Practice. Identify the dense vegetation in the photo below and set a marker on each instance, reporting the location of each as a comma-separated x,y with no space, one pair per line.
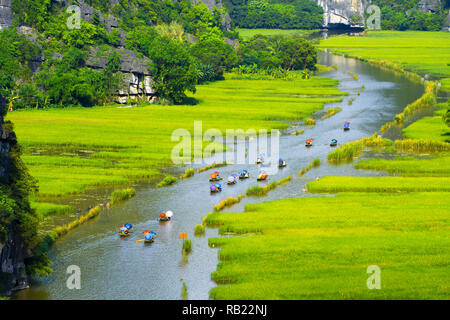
186,43
403,15
275,14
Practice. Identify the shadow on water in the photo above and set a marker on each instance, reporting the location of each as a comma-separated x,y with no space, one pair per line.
113,268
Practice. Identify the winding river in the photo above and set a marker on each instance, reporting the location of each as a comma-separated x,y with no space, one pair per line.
112,268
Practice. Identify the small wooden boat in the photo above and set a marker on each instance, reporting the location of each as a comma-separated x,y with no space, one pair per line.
333,143
262,176
244,174
281,163
232,179
309,143
165,216
347,126
215,188
215,177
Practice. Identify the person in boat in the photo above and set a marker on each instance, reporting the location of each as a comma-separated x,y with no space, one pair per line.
217,187
243,174
149,236
165,216
260,159
347,126
333,143
124,231
262,175
281,163
309,142
215,176
232,179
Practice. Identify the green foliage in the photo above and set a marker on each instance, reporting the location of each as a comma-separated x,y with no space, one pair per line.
213,53
167,181
403,15
122,195
279,52
199,229
187,246
281,14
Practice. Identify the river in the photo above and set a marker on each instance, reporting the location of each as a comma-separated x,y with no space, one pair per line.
113,268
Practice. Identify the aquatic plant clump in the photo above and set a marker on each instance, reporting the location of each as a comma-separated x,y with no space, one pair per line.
228,202
188,173
199,229
167,181
122,195
353,149
421,145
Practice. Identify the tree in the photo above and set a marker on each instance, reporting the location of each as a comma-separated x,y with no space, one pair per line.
214,52
173,68
297,54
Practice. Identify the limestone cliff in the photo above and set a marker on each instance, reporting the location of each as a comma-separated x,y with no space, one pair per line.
13,252
342,13
6,15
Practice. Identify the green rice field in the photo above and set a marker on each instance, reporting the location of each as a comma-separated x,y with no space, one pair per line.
379,184
420,52
409,166
320,248
70,150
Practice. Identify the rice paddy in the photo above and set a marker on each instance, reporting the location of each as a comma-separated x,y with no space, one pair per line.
71,150
379,184
420,52
320,248
409,166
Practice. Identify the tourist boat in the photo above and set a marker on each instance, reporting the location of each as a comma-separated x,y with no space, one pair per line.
244,174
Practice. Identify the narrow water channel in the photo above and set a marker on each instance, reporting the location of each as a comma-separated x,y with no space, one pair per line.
112,268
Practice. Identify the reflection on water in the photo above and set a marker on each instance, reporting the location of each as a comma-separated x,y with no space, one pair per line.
113,268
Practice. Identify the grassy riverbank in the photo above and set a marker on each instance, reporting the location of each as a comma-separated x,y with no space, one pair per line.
71,150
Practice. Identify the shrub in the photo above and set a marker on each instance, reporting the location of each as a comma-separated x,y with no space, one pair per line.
122,195
199,229
188,173
187,246
167,181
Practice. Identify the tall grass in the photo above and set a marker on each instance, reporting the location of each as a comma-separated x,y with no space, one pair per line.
351,150
60,231
212,166
314,164
421,145
258,191
331,112
427,100
187,246
122,195
309,122
188,173
167,181
228,202
379,184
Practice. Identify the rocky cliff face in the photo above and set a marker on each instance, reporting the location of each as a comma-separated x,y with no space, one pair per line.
211,5
342,13
6,15
13,252
429,6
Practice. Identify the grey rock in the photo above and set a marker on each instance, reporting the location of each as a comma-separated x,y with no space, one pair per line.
429,6
6,15
340,12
